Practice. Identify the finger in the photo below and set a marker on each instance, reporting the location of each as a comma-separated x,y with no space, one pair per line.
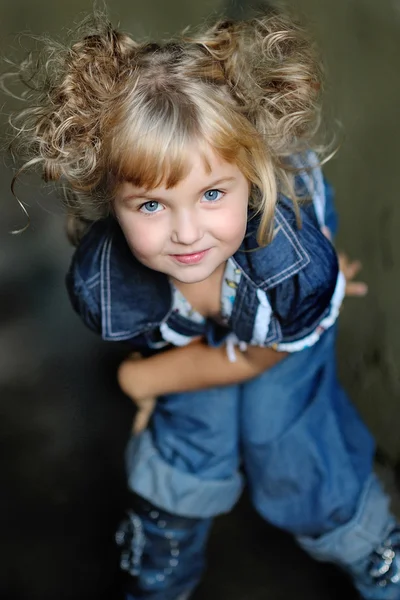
140,422
349,268
353,268
356,288
145,410
344,261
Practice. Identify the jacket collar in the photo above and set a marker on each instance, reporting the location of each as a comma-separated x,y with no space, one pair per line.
285,256
133,298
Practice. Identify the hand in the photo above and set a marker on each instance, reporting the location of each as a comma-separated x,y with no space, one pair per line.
145,405
349,268
145,410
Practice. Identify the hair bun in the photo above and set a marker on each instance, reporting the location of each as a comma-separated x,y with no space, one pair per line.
273,72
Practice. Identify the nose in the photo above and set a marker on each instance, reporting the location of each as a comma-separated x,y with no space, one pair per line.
186,228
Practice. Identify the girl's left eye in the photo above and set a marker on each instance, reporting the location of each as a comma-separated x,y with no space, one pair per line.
150,207
213,195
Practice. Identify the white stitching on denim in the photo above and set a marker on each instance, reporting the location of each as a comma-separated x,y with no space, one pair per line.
91,282
293,268
106,291
274,333
299,249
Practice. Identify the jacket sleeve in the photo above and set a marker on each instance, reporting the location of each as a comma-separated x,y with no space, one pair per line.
308,303
83,296
311,184
331,216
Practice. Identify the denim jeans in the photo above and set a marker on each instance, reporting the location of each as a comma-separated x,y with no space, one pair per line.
293,434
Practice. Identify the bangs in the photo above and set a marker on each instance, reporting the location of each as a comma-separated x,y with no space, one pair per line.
156,147
155,150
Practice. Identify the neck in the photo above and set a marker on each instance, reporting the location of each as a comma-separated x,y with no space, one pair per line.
204,296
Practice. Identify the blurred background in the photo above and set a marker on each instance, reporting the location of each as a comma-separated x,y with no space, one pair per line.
64,424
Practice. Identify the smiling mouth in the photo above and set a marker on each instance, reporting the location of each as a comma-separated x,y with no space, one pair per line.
190,259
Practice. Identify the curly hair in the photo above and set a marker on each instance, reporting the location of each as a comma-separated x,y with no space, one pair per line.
107,108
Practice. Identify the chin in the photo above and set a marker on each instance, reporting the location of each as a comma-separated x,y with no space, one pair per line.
189,278
191,275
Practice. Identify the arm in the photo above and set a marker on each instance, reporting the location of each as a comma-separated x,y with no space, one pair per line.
192,367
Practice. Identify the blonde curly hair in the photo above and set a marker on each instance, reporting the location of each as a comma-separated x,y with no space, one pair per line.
107,108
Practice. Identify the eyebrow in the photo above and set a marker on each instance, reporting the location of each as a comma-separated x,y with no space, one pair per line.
213,184
149,193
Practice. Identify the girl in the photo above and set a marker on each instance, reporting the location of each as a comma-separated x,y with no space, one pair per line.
187,167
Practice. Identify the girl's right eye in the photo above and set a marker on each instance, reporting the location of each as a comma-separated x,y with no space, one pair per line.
150,207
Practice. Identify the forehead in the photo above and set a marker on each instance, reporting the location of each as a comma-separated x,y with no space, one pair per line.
205,165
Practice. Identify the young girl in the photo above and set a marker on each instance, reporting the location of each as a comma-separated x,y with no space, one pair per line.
188,167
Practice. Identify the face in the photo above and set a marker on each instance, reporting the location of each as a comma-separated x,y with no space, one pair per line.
188,231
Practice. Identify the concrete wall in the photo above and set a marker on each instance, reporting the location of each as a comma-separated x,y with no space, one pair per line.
360,42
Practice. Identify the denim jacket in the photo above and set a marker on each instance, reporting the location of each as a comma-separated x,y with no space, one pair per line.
289,291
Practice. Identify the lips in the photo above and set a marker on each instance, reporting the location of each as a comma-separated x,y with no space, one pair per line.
190,259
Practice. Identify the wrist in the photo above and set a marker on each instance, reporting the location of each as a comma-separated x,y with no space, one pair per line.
131,380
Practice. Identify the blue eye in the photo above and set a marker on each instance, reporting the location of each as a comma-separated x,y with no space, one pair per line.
212,195
150,207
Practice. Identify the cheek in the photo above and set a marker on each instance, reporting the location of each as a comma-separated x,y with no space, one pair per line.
144,239
232,223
